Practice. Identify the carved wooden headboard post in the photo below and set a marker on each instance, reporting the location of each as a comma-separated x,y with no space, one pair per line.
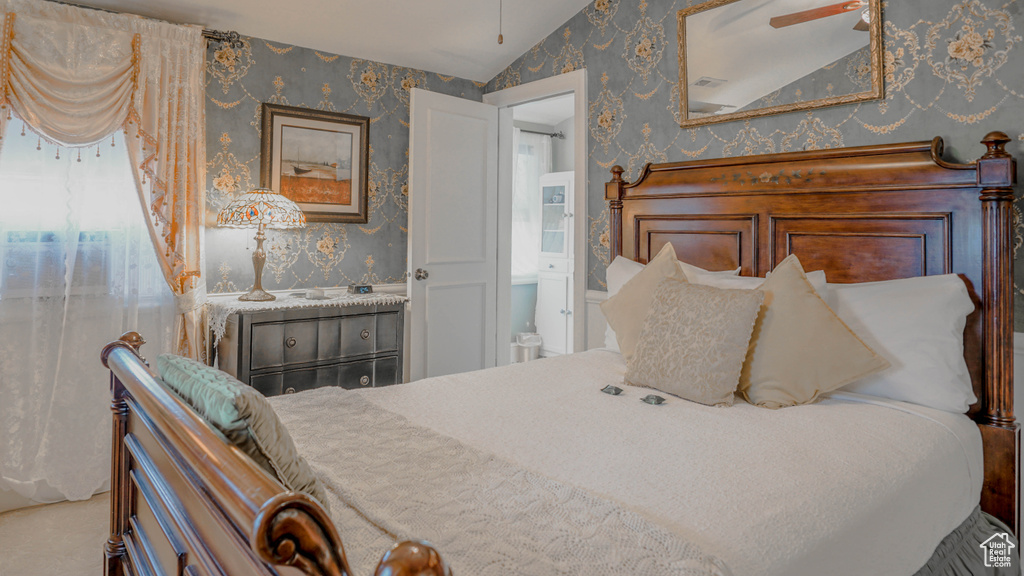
613,193
996,177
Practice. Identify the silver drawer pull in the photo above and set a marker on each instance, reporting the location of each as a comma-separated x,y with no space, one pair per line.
289,390
290,342
365,334
363,381
551,265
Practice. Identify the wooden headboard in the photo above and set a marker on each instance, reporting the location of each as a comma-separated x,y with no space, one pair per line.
860,214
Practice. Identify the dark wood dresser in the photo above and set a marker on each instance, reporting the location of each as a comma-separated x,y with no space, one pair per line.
291,350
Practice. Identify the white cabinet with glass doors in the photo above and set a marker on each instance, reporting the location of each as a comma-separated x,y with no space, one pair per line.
554,279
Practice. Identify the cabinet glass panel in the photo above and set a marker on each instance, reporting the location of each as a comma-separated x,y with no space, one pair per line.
553,220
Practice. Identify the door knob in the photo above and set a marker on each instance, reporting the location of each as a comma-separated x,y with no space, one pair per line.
562,311
568,312
551,265
421,274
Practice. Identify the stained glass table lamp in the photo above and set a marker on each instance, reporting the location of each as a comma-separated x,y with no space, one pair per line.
261,208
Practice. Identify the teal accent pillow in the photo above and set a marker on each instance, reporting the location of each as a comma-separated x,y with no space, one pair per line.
245,417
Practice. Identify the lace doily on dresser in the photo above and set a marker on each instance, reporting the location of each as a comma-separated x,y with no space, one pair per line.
218,309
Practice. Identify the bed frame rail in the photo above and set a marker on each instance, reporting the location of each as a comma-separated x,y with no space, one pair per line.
185,502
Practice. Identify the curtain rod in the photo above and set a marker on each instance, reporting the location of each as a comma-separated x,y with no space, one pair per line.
559,135
229,37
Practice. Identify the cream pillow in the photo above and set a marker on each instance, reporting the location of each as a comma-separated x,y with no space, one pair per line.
621,270
694,340
800,349
625,311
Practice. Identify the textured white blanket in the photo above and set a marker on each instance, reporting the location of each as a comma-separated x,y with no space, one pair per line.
389,480
848,486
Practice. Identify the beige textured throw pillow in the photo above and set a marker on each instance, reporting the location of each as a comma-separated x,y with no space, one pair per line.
694,340
625,311
800,349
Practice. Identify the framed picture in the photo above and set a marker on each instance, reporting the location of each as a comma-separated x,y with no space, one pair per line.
317,159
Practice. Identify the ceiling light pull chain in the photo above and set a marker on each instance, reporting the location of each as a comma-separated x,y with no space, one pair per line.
500,38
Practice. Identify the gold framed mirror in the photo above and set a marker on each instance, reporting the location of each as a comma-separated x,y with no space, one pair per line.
741,59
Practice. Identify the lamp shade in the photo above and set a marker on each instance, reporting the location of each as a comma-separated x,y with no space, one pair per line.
261,206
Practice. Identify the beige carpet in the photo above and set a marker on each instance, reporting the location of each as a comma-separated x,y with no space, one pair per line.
64,539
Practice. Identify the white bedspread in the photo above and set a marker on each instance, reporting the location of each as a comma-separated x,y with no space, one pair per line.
852,485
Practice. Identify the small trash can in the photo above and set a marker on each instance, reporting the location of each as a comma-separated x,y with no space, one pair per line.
528,346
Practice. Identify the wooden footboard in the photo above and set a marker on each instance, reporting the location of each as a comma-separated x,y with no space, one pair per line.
185,502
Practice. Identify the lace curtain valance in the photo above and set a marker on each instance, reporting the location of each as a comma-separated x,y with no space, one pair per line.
76,75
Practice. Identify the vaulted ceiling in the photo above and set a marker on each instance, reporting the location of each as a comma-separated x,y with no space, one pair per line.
451,37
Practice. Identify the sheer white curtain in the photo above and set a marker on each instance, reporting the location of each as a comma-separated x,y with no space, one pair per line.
77,75
77,268
533,159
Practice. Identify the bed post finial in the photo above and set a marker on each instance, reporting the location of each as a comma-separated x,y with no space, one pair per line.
412,558
996,143
997,174
613,193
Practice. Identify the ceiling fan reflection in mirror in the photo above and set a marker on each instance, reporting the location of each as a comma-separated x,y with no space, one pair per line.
824,12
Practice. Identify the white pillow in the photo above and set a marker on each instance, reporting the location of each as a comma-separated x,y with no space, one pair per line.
917,324
718,280
622,270
691,269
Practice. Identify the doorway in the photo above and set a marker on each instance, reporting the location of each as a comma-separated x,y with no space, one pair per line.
460,227
542,215
542,222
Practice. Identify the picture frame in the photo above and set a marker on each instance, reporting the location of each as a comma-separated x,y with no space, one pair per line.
320,160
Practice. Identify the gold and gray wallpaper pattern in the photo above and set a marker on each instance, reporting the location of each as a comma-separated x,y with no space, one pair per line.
238,81
953,68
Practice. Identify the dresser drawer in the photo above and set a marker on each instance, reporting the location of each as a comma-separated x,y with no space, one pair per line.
280,344
348,375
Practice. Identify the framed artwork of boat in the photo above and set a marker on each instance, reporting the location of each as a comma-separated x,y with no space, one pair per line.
319,160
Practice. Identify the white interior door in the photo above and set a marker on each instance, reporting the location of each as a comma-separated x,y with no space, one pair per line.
453,212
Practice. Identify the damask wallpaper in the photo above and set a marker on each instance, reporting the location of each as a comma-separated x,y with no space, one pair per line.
953,68
237,82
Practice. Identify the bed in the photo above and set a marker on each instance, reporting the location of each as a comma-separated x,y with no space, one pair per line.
557,466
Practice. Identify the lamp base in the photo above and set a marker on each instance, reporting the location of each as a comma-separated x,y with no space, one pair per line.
257,295
259,258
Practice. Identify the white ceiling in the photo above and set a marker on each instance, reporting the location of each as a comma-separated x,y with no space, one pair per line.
451,37
550,111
